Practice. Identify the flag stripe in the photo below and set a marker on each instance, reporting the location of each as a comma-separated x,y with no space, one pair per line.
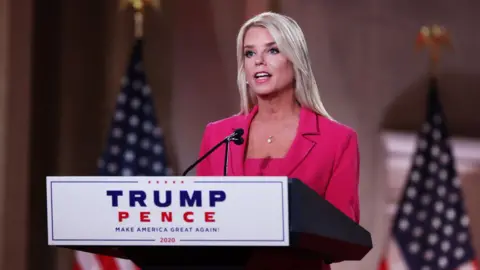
107,262
383,265
472,265
90,261
76,264
123,264
395,259
87,261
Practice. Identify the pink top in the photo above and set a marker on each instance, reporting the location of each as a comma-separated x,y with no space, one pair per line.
263,167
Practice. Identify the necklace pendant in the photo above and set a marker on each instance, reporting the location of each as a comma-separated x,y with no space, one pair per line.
269,140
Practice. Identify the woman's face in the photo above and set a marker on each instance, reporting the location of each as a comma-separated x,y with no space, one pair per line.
266,69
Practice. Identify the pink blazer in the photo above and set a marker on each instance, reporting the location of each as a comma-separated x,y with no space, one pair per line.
324,155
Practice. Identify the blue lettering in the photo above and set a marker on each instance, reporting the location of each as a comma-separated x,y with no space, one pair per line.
194,200
168,198
217,196
115,194
137,196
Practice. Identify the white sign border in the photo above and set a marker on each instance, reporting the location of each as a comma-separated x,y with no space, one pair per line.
283,181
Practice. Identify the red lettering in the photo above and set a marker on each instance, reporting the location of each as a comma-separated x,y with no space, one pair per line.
209,216
144,217
122,215
186,218
166,216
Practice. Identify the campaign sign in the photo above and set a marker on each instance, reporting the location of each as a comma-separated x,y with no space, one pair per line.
153,211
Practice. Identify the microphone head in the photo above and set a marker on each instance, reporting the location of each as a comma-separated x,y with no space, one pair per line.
238,140
239,131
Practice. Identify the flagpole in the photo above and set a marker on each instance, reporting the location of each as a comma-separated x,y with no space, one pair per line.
433,39
139,10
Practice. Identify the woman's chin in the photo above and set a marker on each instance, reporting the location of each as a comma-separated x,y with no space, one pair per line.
265,92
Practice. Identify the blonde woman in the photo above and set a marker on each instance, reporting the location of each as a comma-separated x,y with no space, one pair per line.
288,131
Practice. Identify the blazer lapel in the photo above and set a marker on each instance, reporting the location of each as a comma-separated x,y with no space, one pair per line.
303,143
237,152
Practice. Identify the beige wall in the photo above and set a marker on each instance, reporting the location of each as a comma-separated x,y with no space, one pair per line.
362,53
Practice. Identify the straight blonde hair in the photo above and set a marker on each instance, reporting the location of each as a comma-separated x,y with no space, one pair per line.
291,42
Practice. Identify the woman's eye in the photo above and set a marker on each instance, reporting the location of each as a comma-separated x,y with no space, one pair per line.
248,53
274,51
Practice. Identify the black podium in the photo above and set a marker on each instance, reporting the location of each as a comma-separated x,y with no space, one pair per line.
316,228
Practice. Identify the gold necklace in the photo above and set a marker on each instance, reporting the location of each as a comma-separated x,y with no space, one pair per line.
270,139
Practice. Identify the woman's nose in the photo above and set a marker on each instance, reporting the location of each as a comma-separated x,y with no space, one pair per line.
259,60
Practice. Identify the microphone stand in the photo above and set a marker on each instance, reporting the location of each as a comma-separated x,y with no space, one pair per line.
235,137
225,164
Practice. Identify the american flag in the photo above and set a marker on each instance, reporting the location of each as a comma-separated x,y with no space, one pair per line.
135,147
431,226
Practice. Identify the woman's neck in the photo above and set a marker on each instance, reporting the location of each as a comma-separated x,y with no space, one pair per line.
277,107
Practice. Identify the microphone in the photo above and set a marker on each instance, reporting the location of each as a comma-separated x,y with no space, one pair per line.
238,132
236,137
238,141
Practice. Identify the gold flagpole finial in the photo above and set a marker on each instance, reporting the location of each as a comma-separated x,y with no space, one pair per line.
139,9
434,39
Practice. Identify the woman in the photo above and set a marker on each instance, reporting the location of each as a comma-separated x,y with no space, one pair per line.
288,132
